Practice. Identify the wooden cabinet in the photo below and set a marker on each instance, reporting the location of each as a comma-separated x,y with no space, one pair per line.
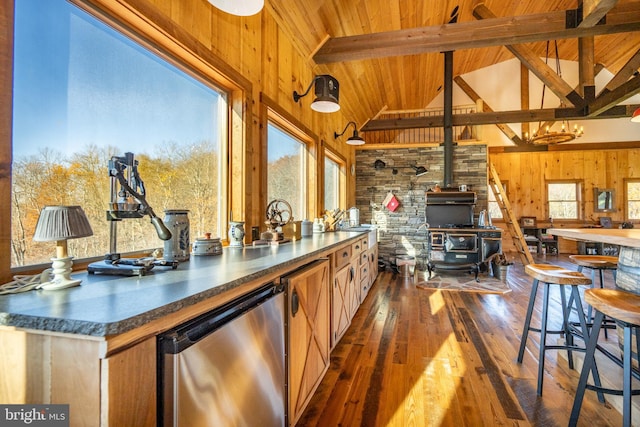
340,302
117,390
309,333
539,241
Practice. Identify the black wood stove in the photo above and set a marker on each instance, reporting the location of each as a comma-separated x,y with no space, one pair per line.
455,242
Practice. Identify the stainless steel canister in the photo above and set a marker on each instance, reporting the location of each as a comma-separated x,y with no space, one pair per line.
177,248
354,217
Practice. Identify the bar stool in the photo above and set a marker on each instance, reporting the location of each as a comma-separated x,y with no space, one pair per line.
554,275
599,263
624,307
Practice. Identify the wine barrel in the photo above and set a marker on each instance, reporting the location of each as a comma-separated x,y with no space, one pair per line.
628,279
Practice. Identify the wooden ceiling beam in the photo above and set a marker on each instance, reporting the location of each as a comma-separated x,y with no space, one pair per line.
492,118
628,70
532,61
604,102
594,10
475,34
504,128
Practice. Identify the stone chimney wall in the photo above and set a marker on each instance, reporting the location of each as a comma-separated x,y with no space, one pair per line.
399,231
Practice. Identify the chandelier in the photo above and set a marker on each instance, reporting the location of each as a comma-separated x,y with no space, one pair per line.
548,135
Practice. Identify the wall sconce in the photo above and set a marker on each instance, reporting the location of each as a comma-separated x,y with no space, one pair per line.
354,139
635,117
239,8
327,91
59,224
420,170
379,164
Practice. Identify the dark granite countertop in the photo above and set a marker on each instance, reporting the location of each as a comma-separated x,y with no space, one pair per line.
107,305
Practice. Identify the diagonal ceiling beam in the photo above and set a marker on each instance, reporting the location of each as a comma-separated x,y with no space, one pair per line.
504,128
536,65
476,34
594,10
607,100
628,70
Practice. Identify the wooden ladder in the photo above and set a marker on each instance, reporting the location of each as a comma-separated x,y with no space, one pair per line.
512,224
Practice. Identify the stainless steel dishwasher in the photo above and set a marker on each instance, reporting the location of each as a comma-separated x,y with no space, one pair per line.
227,367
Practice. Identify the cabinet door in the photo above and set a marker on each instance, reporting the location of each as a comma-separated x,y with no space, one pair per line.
129,380
309,333
354,288
340,298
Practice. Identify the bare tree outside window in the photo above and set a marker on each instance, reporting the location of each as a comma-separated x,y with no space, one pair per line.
633,199
563,199
83,92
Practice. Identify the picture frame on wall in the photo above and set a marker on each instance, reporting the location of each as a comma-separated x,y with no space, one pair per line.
528,221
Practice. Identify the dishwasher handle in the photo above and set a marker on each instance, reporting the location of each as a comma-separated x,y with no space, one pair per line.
190,333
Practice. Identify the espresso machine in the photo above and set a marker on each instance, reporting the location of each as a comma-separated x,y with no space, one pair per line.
127,200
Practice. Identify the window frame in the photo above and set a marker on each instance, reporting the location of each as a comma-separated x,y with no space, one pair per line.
579,198
626,199
185,53
342,178
299,133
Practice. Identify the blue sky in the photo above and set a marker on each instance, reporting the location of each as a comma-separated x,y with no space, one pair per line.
118,97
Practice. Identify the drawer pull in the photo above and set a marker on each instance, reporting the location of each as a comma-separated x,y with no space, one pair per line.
295,303
345,254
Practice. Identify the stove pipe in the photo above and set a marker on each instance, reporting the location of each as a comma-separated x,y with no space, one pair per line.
448,119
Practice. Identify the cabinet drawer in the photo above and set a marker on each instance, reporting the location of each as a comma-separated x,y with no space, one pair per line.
357,247
364,258
341,257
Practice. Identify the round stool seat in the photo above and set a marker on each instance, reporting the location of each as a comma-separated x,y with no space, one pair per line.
617,304
555,274
595,261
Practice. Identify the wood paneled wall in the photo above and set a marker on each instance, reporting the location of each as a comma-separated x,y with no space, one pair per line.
251,54
528,173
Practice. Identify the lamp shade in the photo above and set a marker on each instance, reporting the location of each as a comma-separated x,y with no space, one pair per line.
62,223
636,116
327,90
239,7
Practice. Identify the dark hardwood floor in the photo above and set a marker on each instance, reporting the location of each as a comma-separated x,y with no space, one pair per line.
416,357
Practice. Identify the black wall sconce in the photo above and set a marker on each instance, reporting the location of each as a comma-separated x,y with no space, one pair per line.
420,170
327,90
354,139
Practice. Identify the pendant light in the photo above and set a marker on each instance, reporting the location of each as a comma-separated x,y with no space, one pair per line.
239,7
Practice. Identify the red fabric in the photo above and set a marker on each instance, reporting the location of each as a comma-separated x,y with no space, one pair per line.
393,204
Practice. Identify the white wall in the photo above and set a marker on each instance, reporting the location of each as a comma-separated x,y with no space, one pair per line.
499,87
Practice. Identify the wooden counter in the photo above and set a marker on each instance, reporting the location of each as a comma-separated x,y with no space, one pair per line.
94,346
615,236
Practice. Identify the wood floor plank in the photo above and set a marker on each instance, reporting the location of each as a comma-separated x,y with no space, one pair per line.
417,357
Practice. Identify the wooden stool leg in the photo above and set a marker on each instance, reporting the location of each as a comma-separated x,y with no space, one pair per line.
527,321
543,336
589,361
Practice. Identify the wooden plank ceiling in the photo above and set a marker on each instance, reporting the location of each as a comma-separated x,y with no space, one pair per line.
387,54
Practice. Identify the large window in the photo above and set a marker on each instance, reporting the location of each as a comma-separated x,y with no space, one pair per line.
287,169
333,181
564,199
632,192
83,92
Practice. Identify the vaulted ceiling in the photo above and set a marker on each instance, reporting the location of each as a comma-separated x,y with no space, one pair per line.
389,52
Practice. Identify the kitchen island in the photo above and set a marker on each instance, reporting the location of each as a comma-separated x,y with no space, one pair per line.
94,346
628,271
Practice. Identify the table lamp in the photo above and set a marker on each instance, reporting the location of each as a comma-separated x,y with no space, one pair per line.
59,224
